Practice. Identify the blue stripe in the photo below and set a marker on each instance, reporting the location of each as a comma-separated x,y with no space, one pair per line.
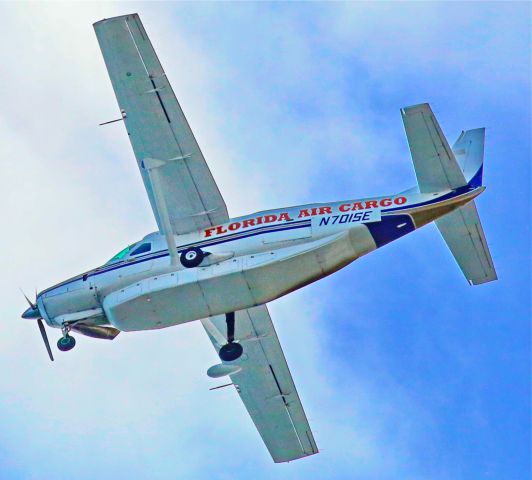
264,229
476,180
203,243
206,243
455,193
164,253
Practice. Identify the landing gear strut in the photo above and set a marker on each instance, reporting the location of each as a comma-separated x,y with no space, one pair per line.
231,350
66,342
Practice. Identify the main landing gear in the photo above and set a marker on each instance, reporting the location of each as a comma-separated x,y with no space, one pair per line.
66,342
192,257
231,350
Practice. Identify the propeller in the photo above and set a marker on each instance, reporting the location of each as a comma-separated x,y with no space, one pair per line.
45,338
34,313
32,305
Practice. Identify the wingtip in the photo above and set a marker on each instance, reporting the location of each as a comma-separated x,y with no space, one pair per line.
413,108
111,19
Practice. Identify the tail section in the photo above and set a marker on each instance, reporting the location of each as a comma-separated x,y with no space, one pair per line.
464,235
469,153
434,161
439,168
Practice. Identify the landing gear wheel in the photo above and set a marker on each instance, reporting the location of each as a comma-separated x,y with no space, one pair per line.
192,257
66,343
230,351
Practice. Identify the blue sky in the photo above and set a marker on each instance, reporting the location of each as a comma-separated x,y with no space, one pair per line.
404,370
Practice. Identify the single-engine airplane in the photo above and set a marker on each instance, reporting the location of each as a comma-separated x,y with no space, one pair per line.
203,265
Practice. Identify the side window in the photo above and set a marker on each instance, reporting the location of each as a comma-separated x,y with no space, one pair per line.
144,248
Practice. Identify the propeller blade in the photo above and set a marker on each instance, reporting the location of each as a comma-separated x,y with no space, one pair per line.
45,338
32,305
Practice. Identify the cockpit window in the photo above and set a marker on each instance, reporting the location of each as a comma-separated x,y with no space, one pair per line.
144,248
121,254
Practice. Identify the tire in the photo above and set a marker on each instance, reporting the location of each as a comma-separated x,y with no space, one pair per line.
192,257
66,343
230,352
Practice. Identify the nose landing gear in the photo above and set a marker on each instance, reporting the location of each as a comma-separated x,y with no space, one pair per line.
231,350
66,342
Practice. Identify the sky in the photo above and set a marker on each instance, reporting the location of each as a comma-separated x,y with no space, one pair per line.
404,370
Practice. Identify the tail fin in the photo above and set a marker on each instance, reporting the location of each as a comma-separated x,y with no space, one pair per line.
469,153
440,168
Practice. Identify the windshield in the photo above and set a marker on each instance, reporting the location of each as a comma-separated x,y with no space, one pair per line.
121,254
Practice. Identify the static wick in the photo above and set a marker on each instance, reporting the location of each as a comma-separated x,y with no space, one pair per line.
123,112
221,386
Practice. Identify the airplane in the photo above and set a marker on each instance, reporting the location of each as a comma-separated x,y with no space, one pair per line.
203,265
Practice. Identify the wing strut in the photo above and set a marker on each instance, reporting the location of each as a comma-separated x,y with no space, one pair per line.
152,165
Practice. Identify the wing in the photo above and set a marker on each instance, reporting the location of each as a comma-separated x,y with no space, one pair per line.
265,385
181,189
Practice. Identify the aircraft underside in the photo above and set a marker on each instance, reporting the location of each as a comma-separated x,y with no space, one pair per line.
226,272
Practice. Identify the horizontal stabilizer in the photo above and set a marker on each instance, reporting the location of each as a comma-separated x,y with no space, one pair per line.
463,233
434,161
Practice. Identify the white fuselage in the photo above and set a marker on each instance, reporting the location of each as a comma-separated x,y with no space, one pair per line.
253,260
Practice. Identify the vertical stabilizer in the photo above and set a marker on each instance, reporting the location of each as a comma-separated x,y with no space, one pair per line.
469,153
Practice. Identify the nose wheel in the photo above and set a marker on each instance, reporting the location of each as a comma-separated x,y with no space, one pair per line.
66,342
231,350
